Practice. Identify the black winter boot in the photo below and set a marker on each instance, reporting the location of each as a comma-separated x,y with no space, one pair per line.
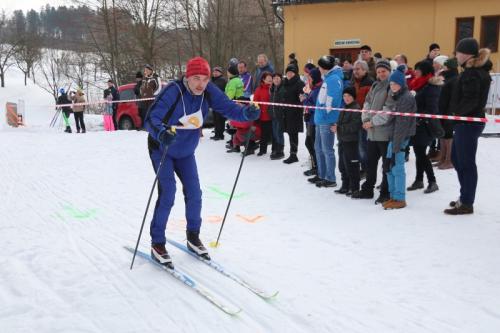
417,185
433,187
292,159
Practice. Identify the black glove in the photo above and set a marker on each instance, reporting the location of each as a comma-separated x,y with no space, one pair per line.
166,136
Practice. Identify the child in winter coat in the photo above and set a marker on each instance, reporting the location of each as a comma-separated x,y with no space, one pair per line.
399,100
242,132
347,128
108,112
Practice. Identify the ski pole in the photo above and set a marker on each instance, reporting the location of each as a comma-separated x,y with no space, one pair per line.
250,134
147,206
53,121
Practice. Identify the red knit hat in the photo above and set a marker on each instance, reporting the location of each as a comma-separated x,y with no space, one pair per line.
197,66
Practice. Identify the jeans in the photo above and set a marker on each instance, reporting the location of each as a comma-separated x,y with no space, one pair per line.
278,136
396,177
325,153
463,156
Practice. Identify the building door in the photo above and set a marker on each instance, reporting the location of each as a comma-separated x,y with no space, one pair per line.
345,54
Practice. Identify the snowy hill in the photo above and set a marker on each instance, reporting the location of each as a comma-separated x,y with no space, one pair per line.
70,202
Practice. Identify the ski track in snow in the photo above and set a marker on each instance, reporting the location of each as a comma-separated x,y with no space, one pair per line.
69,203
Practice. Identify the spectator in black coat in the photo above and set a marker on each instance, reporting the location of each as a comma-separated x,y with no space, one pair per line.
294,121
427,97
468,99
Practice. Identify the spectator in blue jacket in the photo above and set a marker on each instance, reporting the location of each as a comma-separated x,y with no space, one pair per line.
330,96
246,78
184,102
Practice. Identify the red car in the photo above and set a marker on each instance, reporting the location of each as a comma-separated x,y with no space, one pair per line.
127,114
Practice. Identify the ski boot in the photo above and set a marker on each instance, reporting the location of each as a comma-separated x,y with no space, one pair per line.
195,245
160,255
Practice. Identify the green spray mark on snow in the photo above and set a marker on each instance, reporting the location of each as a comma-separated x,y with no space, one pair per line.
75,213
225,195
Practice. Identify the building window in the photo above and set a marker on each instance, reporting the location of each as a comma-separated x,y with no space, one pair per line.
490,26
464,28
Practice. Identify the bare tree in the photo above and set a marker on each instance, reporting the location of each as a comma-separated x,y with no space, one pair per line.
53,65
7,48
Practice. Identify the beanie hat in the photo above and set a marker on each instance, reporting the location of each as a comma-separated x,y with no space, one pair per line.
148,66
441,59
384,63
233,61
308,67
394,65
398,76
351,91
197,66
434,46
218,69
425,67
451,63
233,70
315,76
326,62
468,46
61,91
292,68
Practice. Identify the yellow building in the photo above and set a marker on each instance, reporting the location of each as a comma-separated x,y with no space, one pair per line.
314,28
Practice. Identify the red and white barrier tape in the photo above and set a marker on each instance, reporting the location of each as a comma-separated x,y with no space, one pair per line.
392,113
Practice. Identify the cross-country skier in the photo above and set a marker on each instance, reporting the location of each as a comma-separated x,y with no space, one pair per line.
184,104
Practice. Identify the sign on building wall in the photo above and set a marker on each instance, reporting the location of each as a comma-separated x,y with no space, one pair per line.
347,42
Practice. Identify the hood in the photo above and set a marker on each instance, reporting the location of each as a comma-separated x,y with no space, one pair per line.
479,61
337,71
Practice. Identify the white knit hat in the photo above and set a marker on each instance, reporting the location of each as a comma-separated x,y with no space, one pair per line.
394,65
441,59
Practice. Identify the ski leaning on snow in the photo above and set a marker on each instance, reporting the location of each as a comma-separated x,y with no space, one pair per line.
225,272
190,282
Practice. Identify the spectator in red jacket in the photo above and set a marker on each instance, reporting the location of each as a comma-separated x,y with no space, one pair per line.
262,94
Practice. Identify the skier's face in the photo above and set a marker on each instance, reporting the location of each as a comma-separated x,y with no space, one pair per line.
198,83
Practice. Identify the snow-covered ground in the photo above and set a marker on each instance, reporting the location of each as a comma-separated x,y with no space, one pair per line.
70,202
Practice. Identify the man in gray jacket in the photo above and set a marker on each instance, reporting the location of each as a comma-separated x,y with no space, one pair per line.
379,128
